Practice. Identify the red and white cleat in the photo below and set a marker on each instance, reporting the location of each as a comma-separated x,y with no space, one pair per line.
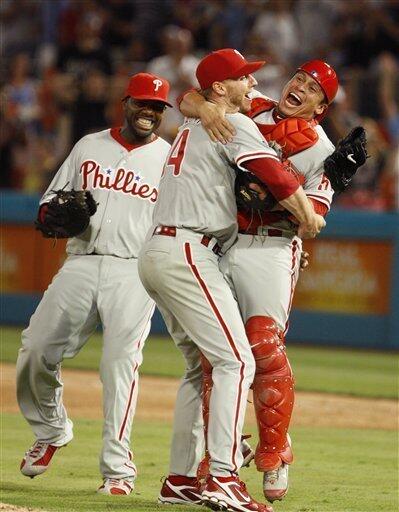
116,486
247,453
230,494
180,490
275,483
37,459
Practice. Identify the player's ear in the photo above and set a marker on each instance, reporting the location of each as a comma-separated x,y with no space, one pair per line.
219,88
320,109
125,102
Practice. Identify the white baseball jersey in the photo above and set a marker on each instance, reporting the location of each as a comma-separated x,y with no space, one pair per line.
98,283
197,188
124,182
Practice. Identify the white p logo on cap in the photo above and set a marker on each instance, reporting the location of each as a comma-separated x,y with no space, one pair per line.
240,54
157,84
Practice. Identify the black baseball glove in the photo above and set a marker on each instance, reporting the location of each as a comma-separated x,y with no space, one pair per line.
248,199
67,214
349,155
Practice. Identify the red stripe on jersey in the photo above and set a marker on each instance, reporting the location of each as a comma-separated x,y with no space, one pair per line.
320,199
211,302
252,156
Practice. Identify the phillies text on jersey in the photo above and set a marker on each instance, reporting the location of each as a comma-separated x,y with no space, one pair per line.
123,179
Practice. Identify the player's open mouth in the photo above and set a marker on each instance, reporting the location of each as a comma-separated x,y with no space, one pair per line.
144,123
293,99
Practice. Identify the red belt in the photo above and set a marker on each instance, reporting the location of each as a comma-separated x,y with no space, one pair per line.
171,231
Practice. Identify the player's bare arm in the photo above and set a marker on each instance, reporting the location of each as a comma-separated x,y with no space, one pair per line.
212,116
310,223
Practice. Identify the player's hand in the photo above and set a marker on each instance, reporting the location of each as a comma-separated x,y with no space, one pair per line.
312,227
215,123
304,261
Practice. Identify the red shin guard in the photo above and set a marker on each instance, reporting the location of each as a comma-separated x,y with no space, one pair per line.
273,391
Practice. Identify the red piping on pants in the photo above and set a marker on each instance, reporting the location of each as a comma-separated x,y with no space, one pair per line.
201,282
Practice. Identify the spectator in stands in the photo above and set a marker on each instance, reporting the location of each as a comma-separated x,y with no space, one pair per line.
89,114
88,49
276,23
272,77
21,92
69,55
178,66
19,26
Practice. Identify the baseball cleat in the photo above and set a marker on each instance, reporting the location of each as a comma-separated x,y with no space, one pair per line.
180,490
230,494
116,486
247,453
37,459
275,483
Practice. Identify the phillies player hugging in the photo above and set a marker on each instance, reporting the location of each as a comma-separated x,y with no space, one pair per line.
179,267
262,266
118,171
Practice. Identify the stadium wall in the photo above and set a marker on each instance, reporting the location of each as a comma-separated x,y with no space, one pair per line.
348,297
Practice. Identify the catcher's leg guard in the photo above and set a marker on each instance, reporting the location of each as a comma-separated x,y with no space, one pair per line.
203,468
273,392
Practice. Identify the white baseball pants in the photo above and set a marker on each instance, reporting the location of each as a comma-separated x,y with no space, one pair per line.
87,290
184,279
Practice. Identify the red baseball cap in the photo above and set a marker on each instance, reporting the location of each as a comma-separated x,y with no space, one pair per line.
324,75
145,86
223,64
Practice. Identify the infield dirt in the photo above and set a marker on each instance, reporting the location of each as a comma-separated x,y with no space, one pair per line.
82,397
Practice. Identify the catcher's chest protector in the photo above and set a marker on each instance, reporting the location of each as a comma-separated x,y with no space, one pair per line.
292,134
260,105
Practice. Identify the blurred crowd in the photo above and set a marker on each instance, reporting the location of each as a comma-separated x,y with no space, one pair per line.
65,65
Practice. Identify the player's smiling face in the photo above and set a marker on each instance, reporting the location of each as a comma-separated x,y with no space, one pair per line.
238,91
142,117
302,97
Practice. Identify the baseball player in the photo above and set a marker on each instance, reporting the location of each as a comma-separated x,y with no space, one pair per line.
98,283
262,267
179,267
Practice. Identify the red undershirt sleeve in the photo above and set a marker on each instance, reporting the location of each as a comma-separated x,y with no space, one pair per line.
319,207
280,182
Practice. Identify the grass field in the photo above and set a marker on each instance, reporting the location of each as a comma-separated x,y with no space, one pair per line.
352,372
336,470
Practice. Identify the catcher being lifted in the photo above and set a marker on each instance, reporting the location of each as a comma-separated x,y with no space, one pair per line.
67,214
